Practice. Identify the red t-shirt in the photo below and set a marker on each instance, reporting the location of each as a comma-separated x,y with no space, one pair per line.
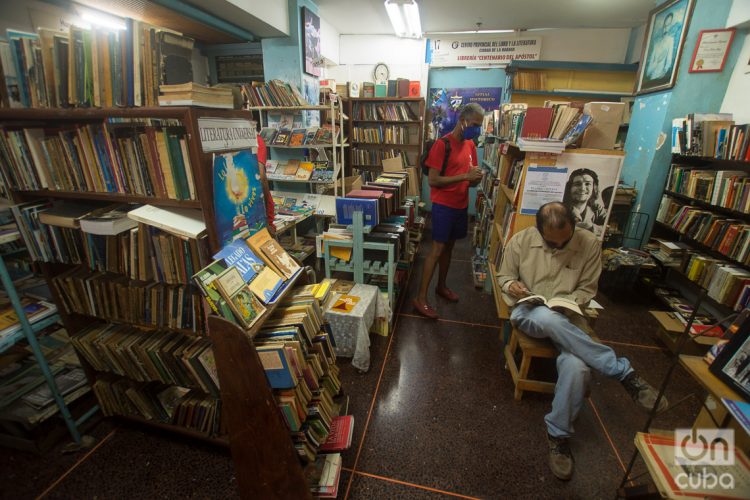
463,156
262,157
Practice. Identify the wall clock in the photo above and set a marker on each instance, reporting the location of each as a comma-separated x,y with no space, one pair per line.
380,73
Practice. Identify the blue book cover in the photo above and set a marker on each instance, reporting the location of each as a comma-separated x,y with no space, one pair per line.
345,208
239,255
129,63
276,366
239,204
740,411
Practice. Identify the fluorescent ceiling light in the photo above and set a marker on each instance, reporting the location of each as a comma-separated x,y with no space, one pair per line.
404,16
472,32
100,19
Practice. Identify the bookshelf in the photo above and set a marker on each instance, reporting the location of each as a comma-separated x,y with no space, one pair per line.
704,209
385,127
534,82
337,146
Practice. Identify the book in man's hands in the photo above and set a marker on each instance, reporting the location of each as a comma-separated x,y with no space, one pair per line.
553,303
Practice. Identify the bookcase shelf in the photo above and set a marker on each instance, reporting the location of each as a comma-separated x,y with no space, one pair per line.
574,93
318,107
386,121
711,163
709,206
222,441
390,145
111,197
310,146
700,246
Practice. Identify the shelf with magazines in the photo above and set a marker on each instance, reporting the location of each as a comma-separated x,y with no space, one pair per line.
288,131
383,127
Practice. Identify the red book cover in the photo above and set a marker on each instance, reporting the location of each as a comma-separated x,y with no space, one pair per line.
414,88
340,437
536,123
363,193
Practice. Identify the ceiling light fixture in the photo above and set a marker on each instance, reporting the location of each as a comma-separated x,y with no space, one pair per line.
472,32
404,16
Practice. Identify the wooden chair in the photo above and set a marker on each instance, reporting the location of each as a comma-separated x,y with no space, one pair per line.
532,348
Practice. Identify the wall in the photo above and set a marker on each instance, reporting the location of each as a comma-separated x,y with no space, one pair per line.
647,148
329,42
635,44
584,45
282,57
736,99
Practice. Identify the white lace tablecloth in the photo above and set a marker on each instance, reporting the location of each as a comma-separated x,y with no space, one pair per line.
351,330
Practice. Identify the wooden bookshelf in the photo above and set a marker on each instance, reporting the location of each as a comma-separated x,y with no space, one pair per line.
414,106
111,197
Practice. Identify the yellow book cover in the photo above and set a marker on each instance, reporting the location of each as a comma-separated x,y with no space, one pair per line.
345,304
266,284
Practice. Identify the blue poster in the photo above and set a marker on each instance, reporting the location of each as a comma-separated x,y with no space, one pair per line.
445,104
238,196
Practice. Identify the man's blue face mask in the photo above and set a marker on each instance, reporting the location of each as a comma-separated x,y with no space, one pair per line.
472,132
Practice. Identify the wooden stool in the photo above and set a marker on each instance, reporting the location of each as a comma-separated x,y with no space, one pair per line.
530,348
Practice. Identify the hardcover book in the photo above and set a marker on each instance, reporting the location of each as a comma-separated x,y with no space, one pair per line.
282,137
239,255
345,208
273,254
297,137
245,306
206,280
266,285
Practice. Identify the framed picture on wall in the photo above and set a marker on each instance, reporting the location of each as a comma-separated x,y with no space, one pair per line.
711,50
311,42
662,47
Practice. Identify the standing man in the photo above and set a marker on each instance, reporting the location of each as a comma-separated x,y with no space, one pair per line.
449,194
556,259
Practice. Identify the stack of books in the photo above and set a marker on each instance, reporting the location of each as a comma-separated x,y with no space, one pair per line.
713,135
272,94
194,94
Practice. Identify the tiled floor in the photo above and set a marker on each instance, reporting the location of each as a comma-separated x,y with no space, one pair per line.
434,417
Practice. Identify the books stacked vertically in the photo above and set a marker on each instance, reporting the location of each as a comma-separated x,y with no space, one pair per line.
712,135
383,112
194,94
530,80
154,401
146,157
365,157
274,93
93,67
392,134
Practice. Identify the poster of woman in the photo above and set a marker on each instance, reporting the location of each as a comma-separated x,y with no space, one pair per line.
666,29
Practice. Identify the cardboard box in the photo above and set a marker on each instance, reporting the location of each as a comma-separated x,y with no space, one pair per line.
394,164
606,120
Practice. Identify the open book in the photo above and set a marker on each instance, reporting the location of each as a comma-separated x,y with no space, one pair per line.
553,303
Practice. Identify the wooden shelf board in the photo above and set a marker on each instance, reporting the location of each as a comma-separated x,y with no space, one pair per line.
386,121
698,369
509,193
82,114
581,66
110,197
709,206
708,162
573,93
373,99
310,146
310,107
222,441
701,247
385,144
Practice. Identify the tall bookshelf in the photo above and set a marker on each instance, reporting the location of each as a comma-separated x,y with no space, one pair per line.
385,127
704,208
246,373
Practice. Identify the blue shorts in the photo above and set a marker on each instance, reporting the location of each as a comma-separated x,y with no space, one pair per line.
449,223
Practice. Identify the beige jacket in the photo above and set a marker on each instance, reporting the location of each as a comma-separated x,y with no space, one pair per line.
572,272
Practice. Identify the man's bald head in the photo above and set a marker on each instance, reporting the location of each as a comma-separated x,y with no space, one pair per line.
556,223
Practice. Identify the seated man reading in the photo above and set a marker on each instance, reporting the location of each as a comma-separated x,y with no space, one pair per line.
555,260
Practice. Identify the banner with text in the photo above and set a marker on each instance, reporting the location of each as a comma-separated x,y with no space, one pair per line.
445,104
224,134
481,51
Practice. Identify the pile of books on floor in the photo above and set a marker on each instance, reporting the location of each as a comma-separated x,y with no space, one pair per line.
195,94
25,398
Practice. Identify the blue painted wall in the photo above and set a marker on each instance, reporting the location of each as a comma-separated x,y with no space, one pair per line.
462,78
648,152
282,57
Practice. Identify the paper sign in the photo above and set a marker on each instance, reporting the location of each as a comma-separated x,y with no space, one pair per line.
543,185
226,134
482,51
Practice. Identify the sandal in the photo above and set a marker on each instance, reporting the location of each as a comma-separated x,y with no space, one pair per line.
424,309
447,294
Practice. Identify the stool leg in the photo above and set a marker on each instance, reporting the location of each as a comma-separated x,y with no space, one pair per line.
523,373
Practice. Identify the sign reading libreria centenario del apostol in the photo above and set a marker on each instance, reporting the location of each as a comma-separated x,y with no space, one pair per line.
481,51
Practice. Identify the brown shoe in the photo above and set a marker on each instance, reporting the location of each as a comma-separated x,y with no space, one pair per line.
425,309
560,458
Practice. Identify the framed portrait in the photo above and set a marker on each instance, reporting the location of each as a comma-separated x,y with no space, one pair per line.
662,47
711,51
311,41
732,364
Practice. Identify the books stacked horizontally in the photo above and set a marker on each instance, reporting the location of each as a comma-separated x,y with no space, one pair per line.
147,157
670,253
713,135
24,394
544,129
297,170
92,67
194,94
246,277
273,93
35,308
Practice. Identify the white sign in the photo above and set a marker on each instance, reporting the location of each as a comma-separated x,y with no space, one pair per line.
225,134
481,51
542,185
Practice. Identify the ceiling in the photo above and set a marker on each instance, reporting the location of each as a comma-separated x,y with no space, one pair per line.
368,17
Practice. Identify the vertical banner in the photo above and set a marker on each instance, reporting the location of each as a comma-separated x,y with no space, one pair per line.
445,104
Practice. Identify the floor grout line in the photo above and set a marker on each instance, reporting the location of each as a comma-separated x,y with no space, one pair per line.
75,465
413,485
480,325
607,435
374,398
626,344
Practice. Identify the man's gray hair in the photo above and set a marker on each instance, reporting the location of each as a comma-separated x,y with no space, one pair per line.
471,109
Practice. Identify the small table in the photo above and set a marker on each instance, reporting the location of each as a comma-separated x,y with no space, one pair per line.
351,330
